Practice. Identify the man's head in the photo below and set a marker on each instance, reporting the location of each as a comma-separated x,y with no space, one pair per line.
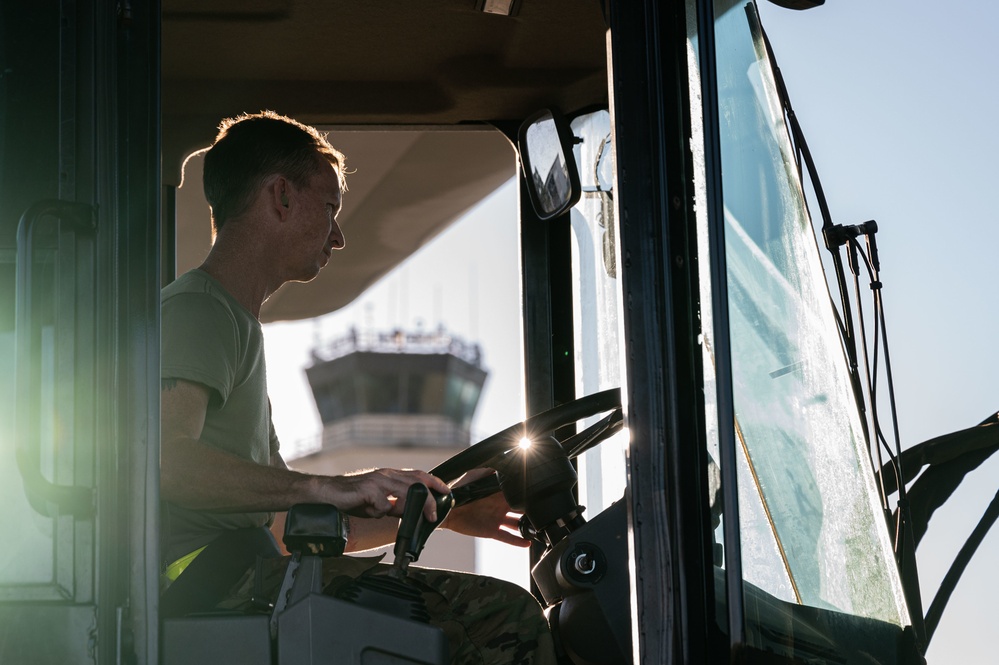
250,148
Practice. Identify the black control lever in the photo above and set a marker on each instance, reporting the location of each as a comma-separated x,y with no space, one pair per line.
445,502
412,519
391,592
414,529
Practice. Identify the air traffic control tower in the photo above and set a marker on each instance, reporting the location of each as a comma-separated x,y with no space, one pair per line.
397,400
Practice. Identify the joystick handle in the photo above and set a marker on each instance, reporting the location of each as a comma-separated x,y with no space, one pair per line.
412,518
414,530
445,502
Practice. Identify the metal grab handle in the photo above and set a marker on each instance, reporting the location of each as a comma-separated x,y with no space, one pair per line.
45,497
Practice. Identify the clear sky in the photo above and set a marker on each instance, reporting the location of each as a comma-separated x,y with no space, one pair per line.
898,102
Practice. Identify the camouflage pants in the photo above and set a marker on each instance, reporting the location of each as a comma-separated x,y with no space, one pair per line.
486,621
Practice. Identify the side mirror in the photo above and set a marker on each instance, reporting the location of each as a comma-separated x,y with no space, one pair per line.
545,143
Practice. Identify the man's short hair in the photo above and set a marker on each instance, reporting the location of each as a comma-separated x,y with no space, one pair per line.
251,147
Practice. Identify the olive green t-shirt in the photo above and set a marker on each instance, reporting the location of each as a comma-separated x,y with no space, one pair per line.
209,338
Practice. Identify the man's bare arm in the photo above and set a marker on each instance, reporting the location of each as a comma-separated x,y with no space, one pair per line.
365,534
200,477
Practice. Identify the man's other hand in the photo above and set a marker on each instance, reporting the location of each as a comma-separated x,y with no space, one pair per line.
490,517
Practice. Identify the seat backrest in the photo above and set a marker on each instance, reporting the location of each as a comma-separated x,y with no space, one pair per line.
212,574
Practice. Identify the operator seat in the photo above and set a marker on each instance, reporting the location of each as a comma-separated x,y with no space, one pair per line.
376,625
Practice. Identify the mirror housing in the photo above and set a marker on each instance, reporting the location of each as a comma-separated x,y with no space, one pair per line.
545,145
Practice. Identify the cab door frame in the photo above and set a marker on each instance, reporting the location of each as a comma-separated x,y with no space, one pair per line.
673,584
81,153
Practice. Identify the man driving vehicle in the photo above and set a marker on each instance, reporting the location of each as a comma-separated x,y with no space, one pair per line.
275,188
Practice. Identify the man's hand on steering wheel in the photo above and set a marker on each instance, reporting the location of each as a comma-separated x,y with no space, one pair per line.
489,517
480,509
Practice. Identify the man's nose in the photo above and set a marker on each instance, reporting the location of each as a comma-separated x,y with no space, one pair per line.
336,236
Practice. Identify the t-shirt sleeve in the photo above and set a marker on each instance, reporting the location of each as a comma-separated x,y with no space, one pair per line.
199,342
275,444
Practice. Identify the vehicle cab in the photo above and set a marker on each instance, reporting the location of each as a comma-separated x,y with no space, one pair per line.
667,257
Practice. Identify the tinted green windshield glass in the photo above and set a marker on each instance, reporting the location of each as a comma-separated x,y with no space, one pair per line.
812,531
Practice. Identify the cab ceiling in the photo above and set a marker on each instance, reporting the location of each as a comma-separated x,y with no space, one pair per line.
333,62
427,63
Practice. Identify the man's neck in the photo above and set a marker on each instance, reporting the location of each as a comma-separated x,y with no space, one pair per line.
241,274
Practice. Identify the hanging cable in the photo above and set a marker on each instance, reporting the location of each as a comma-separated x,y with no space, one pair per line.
880,337
871,380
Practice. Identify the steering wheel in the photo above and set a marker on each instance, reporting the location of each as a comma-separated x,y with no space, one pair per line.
544,469
580,575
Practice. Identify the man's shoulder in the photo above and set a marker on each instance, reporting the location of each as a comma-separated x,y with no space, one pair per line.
196,290
195,302
194,282
196,305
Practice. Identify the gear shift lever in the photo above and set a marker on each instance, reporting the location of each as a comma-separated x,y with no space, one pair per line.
414,530
389,591
407,544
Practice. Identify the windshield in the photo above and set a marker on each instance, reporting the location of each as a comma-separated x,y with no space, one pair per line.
811,526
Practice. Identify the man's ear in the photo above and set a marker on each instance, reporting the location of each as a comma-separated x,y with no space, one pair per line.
277,194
